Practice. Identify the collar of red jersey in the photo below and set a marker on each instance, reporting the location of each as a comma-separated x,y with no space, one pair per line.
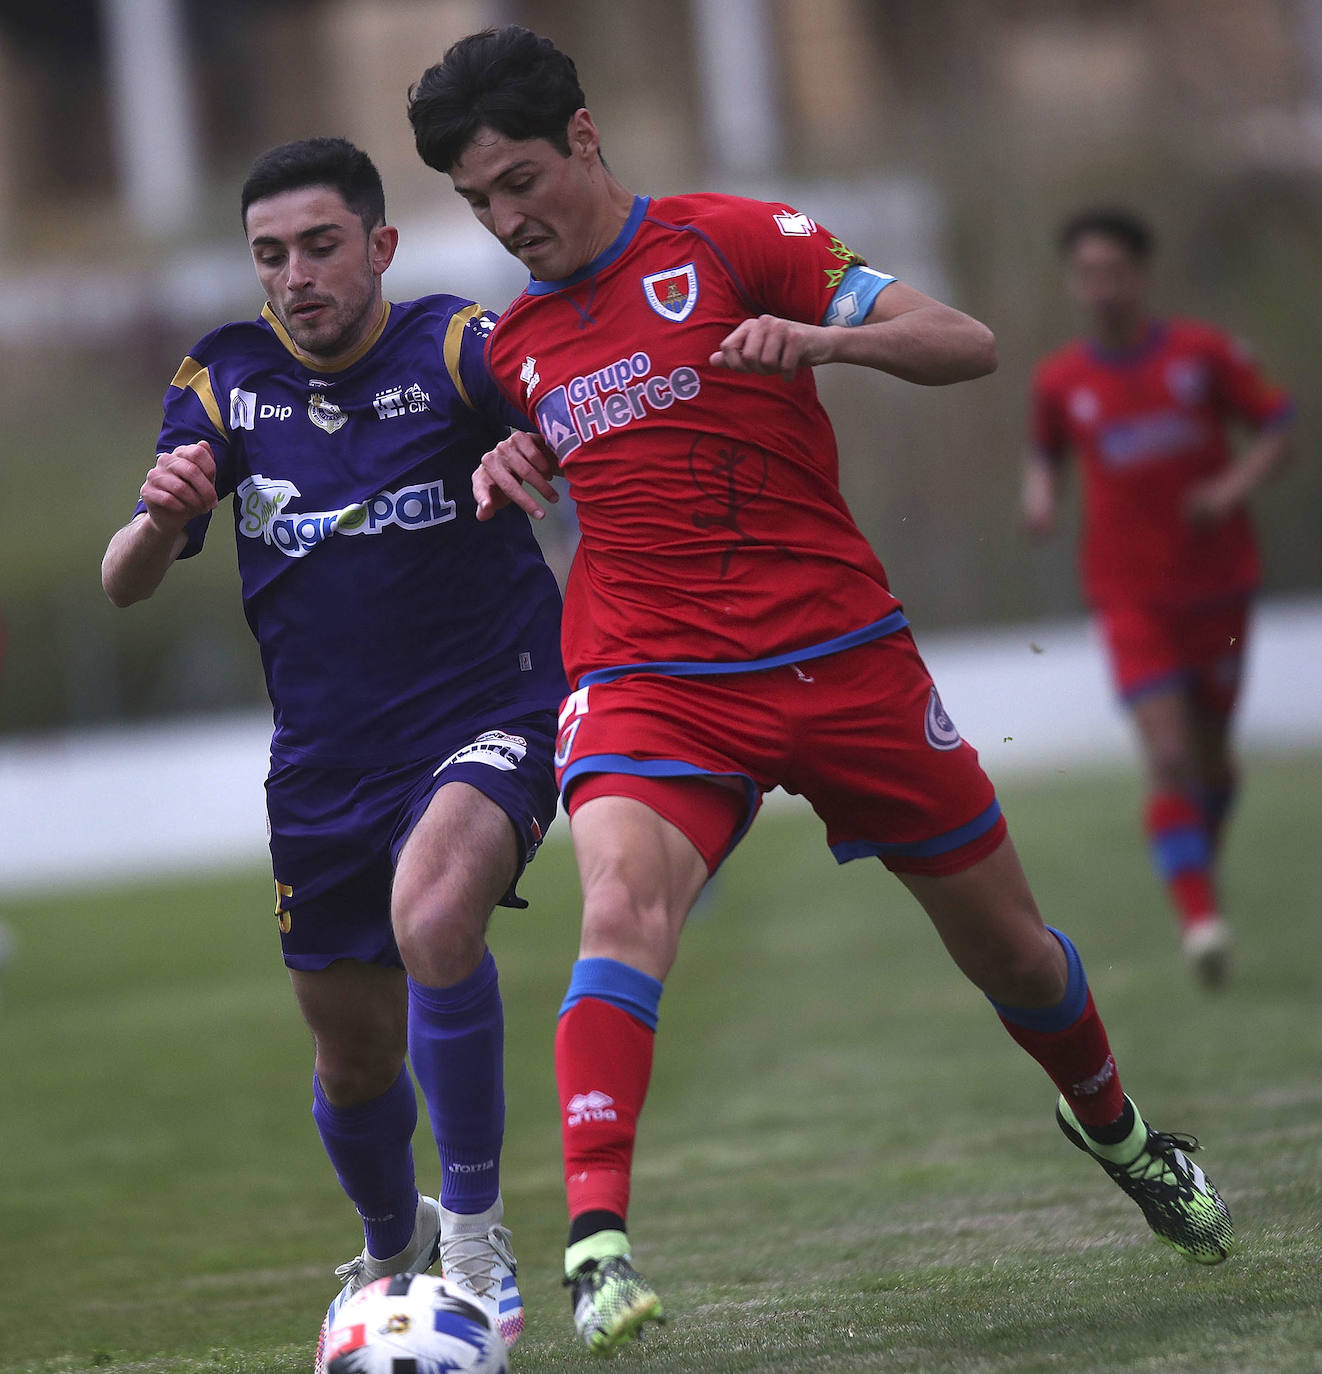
603,259
1153,337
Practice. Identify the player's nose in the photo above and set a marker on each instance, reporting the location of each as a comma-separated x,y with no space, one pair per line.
298,271
507,221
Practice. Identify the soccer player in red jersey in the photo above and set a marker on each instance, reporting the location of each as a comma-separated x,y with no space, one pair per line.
727,627
1168,557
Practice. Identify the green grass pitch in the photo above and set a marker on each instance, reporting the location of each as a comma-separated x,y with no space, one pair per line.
844,1163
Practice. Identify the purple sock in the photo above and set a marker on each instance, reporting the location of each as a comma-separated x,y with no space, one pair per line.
371,1147
457,1048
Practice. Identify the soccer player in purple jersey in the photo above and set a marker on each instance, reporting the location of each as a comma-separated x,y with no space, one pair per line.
411,655
727,627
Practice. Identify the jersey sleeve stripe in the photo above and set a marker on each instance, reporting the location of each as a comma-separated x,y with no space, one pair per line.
454,338
194,376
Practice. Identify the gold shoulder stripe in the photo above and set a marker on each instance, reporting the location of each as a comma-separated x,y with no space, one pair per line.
454,338
193,376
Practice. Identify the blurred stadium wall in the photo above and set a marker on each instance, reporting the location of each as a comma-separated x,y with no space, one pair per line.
943,139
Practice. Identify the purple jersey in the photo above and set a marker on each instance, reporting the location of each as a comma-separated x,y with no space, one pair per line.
384,611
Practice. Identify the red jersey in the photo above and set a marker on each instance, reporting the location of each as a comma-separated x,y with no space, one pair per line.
1148,425
714,534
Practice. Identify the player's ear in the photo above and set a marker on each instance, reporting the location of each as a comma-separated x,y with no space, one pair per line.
381,245
584,141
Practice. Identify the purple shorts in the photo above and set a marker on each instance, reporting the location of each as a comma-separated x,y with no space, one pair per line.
336,833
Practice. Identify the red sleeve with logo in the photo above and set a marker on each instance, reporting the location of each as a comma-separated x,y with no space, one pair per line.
788,263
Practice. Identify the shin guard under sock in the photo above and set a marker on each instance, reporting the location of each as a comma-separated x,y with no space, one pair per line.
1069,1041
457,1048
371,1148
603,1063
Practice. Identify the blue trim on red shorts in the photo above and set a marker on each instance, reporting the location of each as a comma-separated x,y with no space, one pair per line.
920,849
662,768
1156,685
878,629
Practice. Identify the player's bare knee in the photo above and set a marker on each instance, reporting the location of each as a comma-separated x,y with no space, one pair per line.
352,1072
1171,767
619,921
1169,753
1023,973
441,942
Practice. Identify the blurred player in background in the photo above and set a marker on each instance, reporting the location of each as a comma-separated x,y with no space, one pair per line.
1169,561
727,627
412,660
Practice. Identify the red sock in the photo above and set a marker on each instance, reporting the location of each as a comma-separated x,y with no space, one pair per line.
1078,1061
1182,852
1193,895
603,1061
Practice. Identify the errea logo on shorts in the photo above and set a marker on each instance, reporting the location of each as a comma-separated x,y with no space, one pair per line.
610,398
593,1106
264,514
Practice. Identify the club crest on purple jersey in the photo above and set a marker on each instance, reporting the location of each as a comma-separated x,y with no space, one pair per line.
322,411
674,293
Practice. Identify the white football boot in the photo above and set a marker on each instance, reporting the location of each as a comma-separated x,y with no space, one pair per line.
416,1258
477,1254
1207,948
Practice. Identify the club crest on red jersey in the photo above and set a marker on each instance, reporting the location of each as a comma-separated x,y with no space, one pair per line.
937,725
674,293
1187,381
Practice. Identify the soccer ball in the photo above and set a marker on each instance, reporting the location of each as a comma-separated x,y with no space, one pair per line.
413,1324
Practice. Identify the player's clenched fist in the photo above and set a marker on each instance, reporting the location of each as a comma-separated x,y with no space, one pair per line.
521,459
181,486
769,344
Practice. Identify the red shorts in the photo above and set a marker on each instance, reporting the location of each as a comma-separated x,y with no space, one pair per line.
861,734
1197,649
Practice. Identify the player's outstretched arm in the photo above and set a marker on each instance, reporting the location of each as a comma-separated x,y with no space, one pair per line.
1212,501
180,487
1039,495
509,469
906,333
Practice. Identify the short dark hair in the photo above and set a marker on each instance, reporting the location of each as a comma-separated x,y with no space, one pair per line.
1127,229
508,79
333,162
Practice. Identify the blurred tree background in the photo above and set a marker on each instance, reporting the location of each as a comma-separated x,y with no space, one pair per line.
943,139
